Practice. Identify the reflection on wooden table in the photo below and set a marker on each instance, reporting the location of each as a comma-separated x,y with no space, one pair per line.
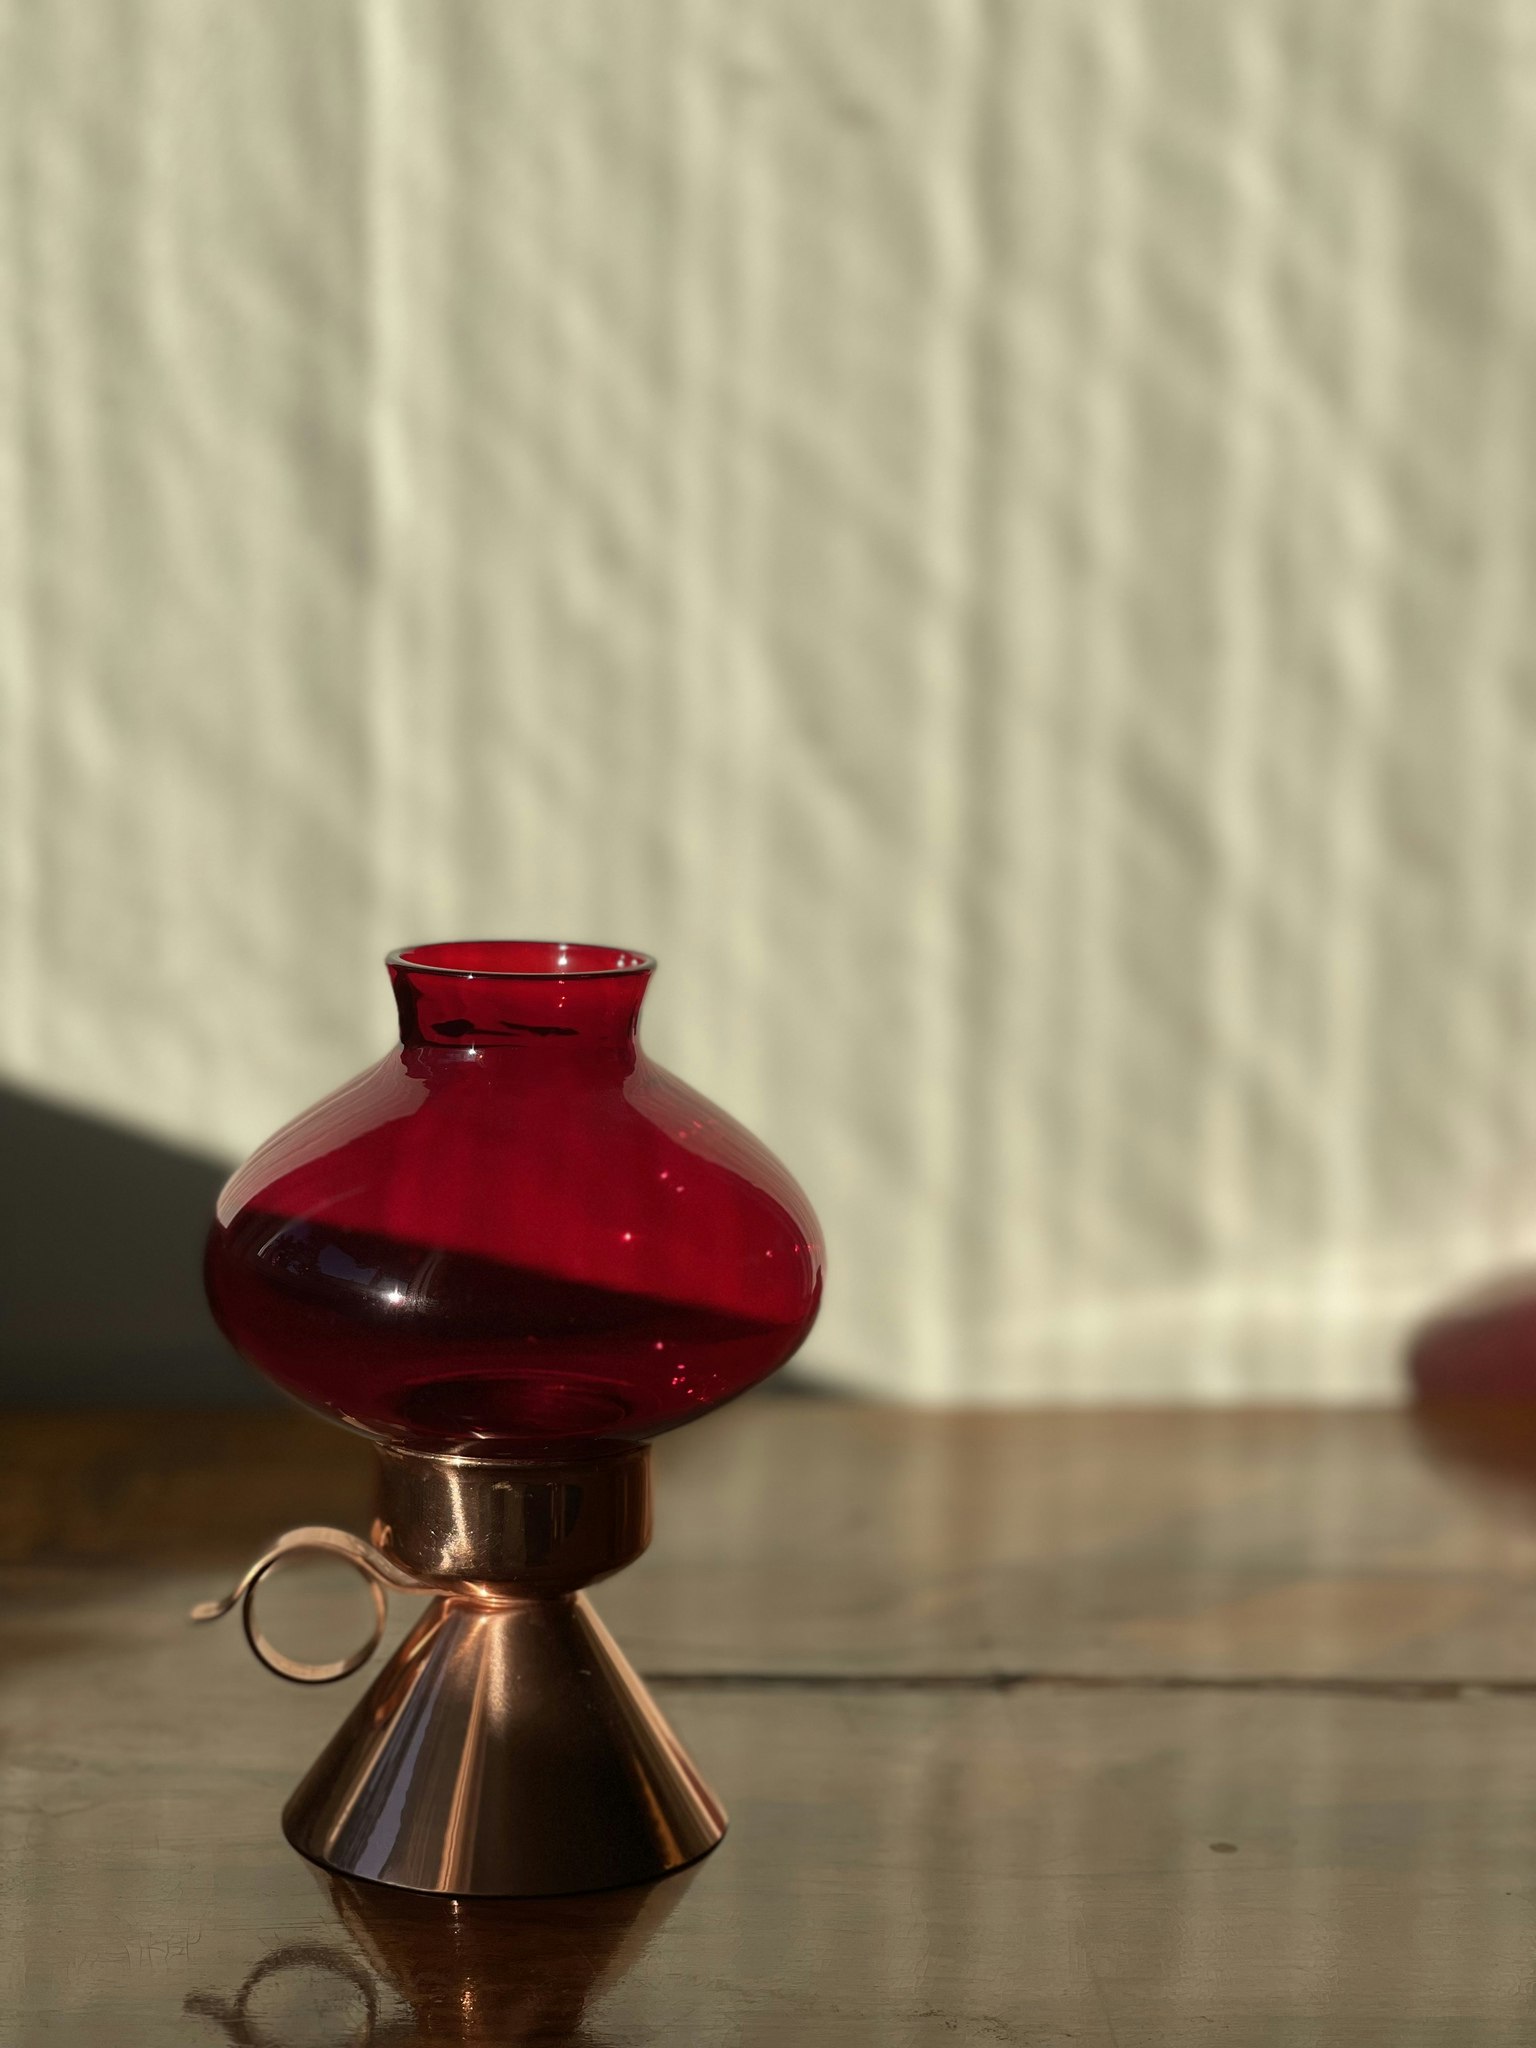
475,1970
1096,1728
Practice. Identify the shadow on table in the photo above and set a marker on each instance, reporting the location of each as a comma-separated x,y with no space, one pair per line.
415,1967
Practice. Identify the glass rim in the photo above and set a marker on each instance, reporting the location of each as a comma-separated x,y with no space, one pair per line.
619,961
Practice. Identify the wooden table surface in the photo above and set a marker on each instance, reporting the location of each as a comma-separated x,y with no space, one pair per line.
1072,1728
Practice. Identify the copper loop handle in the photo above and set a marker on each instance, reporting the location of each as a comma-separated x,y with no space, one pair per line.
374,1567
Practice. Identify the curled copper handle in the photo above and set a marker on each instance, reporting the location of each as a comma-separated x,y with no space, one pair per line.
372,1564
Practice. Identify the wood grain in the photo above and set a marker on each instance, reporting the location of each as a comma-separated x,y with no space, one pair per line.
903,1867
919,1854
823,1538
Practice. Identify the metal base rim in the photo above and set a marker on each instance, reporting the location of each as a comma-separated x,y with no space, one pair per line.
589,1891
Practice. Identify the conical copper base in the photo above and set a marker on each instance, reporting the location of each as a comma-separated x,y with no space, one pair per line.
506,1749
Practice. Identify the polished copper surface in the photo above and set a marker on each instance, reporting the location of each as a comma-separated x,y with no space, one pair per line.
507,1748
452,1521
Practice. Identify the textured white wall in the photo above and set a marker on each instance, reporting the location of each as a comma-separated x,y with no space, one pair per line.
994,538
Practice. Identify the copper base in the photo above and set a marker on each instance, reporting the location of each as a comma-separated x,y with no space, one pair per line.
507,1748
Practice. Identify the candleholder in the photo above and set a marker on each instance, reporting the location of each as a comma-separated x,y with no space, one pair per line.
512,1253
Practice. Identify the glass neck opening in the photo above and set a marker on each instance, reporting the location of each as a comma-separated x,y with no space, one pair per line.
519,992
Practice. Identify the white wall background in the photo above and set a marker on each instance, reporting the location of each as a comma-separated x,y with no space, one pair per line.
994,538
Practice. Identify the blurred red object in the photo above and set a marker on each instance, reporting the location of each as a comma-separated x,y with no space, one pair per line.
1472,1375
1481,1347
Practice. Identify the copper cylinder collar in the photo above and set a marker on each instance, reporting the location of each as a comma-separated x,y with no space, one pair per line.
498,1528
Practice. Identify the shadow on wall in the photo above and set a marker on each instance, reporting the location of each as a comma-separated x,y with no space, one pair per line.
101,1295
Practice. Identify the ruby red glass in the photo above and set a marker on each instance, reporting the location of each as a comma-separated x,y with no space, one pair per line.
515,1236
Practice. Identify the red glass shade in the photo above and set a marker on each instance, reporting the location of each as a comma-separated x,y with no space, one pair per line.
515,1235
